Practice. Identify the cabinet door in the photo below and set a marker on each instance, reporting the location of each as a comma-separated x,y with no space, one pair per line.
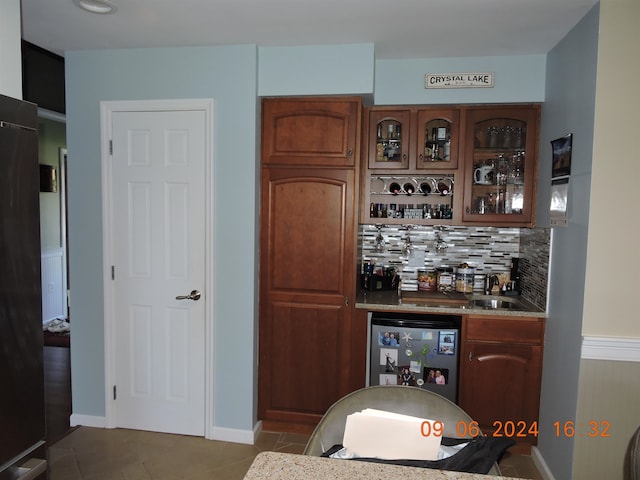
307,276
437,139
389,138
501,165
500,387
319,131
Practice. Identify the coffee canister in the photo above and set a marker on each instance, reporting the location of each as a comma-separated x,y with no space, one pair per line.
427,281
445,279
464,279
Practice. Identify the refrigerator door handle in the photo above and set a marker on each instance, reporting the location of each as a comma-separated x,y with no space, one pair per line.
31,469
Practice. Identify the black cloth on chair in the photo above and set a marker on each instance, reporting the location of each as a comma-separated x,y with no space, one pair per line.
477,457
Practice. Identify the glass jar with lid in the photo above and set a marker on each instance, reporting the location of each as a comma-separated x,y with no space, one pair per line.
464,278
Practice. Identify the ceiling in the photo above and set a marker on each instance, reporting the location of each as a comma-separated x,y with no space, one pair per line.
397,28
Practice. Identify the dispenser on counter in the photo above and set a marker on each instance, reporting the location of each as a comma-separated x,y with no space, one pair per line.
515,283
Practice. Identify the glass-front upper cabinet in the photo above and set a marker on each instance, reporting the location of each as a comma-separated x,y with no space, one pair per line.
389,138
501,165
437,142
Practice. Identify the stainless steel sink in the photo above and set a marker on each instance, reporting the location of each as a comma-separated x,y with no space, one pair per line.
496,303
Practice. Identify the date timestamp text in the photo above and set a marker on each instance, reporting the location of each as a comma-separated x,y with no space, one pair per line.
521,429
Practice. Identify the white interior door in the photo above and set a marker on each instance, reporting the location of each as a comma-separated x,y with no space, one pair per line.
158,243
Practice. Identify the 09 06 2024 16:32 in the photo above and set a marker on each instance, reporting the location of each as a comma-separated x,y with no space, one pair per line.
521,429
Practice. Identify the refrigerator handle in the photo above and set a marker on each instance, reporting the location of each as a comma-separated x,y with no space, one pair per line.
31,469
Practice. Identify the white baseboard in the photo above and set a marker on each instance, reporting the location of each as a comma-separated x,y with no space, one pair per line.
217,433
621,349
540,464
87,421
235,435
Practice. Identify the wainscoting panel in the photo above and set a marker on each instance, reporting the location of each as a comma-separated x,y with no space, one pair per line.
607,413
54,298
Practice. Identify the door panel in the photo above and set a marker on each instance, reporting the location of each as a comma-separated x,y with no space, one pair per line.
300,205
302,336
500,382
158,171
306,132
307,278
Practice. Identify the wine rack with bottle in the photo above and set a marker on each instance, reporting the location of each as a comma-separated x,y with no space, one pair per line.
399,198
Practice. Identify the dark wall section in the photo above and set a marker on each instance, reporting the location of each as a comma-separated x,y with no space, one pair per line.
43,78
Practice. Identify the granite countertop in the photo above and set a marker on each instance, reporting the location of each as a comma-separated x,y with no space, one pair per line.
289,466
390,301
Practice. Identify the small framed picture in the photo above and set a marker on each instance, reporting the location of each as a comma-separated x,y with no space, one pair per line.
561,156
389,339
447,342
406,377
436,375
388,379
389,358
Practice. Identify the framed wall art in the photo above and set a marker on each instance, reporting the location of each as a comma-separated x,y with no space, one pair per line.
561,160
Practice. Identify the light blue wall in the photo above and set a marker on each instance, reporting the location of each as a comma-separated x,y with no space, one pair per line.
569,108
229,76
235,77
316,70
517,79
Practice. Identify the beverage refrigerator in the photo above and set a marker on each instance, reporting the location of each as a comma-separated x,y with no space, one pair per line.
22,406
415,350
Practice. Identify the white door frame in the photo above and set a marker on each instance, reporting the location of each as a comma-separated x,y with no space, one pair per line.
107,108
62,183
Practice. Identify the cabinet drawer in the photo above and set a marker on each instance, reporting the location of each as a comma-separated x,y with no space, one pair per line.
509,329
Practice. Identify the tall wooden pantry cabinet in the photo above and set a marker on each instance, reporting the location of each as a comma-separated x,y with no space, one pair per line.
308,226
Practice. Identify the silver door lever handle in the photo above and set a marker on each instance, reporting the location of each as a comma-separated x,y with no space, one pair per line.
194,295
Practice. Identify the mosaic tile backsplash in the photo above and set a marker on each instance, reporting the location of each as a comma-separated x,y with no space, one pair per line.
488,249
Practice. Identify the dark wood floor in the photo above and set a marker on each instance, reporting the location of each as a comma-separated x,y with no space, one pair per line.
57,387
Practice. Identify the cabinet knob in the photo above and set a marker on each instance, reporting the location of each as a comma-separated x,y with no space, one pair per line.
350,152
470,356
468,209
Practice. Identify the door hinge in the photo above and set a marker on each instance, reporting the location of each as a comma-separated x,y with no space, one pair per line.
110,147
113,272
114,392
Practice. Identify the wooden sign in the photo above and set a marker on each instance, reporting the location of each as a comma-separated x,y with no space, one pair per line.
458,80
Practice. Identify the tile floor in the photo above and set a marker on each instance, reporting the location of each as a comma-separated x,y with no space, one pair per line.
99,454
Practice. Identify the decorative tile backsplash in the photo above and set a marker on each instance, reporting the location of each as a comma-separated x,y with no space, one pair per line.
534,264
488,249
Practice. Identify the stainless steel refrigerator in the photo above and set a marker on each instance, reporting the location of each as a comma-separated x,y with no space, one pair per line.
415,350
22,405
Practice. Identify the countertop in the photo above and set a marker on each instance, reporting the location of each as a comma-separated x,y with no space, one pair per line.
289,466
390,301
